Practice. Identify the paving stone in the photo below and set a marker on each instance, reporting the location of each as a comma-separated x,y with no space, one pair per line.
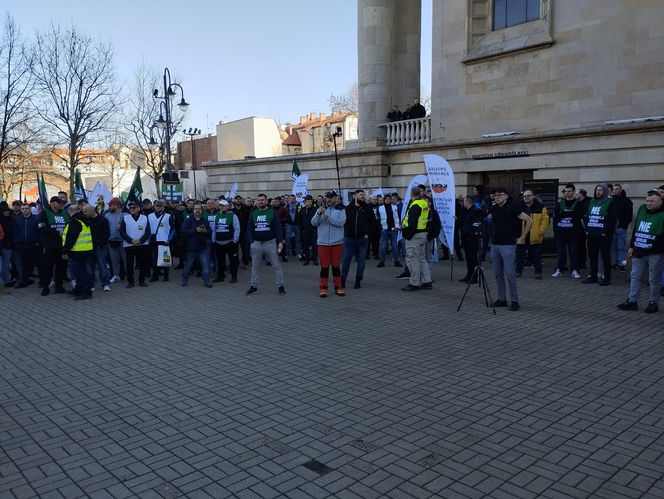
524,408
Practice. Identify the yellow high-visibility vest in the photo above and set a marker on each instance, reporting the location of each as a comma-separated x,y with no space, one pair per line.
84,240
424,214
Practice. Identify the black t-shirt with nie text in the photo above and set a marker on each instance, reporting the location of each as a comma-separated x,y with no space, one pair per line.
505,223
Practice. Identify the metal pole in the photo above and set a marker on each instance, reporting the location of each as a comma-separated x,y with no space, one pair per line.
193,162
336,159
167,99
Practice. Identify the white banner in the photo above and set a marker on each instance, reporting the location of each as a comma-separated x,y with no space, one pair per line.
378,192
300,187
231,194
441,180
100,193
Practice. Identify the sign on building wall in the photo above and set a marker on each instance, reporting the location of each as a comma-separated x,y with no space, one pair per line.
545,190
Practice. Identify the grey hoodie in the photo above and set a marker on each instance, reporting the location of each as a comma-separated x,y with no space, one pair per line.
330,226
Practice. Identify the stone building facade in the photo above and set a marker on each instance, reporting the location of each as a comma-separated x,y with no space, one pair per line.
572,91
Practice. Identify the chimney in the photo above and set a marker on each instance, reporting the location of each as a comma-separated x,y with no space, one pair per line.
323,116
303,120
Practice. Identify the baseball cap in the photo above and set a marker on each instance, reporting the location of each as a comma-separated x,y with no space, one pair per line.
223,202
330,194
56,199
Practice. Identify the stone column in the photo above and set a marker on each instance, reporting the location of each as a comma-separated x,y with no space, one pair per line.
388,62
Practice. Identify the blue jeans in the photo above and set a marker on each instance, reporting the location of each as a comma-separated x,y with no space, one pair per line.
391,236
535,251
354,248
80,264
655,266
502,256
100,259
203,256
619,245
293,232
5,258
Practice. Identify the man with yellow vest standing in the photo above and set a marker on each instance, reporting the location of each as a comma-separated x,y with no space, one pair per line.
77,246
414,231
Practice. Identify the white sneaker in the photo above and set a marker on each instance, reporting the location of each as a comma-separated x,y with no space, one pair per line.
557,273
92,289
115,279
51,284
575,274
600,275
73,283
107,288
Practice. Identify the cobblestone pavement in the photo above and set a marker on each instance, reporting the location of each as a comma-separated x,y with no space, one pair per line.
193,392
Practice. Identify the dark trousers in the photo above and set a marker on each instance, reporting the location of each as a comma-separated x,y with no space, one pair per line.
154,247
137,255
245,247
28,256
374,244
582,249
471,247
82,262
309,245
596,246
563,246
221,252
52,259
534,253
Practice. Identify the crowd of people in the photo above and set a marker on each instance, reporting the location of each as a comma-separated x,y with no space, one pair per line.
91,247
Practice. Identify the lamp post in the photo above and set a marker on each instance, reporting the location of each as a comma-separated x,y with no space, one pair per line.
338,133
164,122
191,132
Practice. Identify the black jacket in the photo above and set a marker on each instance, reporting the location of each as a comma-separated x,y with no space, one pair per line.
100,229
360,221
304,217
624,210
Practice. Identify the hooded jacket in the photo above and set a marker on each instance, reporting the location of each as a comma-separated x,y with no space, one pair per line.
330,226
624,210
605,225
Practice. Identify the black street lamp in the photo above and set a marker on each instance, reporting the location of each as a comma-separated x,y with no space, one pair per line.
338,133
164,122
191,132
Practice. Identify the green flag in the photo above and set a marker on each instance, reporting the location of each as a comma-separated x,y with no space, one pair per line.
41,188
136,190
79,191
295,171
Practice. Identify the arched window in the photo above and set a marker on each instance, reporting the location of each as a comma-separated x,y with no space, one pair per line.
508,13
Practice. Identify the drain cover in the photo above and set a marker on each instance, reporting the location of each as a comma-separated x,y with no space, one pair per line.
317,466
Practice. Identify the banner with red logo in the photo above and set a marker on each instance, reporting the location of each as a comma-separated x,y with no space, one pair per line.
441,181
300,187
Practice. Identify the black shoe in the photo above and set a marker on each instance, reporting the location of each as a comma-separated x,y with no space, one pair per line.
514,306
314,261
465,280
651,308
589,280
183,284
518,274
381,265
154,279
207,284
426,285
474,281
13,283
538,276
358,284
233,280
165,278
408,287
282,291
45,292
219,279
404,275
251,290
500,303
130,285
59,291
83,297
615,266
142,284
306,263
628,305
398,264
604,282
622,268
18,286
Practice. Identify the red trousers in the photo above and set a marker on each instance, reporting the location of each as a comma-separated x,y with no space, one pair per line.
330,256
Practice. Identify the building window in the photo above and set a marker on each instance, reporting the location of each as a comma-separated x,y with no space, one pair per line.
508,13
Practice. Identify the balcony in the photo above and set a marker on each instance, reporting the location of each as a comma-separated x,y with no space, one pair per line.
415,131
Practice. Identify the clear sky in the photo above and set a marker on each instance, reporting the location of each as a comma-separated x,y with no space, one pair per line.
236,58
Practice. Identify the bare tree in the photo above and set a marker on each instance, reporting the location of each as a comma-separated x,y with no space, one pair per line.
346,102
76,76
143,109
17,113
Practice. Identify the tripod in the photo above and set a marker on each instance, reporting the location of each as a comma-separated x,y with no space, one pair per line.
478,273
